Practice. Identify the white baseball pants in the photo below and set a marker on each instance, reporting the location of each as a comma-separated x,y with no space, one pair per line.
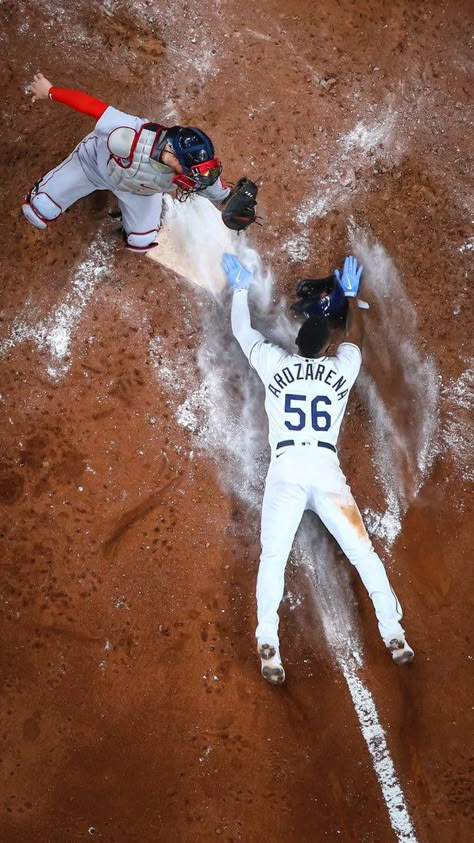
306,477
68,182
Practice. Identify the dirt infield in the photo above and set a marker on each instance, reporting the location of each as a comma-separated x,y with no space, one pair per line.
132,705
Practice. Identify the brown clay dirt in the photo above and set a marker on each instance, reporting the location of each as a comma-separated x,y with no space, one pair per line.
132,706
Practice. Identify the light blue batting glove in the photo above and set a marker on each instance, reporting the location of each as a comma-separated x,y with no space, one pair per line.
238,277
350,278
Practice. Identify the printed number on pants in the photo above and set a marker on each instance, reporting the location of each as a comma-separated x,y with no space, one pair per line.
320,420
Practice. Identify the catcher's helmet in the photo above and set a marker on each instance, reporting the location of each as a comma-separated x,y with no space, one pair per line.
195,152
321,297
191,146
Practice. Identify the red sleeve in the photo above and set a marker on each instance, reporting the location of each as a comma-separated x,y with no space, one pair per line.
79,101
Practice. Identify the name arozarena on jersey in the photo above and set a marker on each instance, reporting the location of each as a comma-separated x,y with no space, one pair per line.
307,370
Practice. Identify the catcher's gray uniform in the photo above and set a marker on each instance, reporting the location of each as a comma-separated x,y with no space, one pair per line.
115,157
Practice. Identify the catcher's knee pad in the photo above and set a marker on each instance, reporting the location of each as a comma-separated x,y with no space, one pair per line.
141,242
39,209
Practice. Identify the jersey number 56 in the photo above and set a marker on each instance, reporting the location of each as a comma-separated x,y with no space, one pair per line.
320,419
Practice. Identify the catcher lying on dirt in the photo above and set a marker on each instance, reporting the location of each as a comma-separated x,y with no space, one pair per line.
138,161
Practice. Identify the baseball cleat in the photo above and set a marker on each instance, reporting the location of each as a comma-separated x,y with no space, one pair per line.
400,650
272,668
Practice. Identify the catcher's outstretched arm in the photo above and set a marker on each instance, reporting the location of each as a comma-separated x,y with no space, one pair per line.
217,192
242,329
42,89
79,101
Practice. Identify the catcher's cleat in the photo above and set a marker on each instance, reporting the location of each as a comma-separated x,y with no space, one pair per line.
272,668
401,651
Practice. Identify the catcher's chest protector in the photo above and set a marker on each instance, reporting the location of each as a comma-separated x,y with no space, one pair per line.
129,164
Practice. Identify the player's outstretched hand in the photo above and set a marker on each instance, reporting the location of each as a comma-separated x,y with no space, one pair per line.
238,277
40,87
350,278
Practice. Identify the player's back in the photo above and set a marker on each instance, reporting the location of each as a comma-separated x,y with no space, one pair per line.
305,398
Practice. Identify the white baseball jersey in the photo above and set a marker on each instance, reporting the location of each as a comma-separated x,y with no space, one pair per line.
305,399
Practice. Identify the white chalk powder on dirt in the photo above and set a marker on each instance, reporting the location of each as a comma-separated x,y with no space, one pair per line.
404,444
298,247
356,151
193,48
366,136
54,333
458,430
467,246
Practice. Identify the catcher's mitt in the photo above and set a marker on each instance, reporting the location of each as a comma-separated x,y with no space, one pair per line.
239,209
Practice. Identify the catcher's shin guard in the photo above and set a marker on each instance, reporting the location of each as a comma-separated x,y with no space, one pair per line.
39,209
141,242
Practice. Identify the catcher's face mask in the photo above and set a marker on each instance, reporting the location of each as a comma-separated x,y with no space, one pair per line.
206,173
199,176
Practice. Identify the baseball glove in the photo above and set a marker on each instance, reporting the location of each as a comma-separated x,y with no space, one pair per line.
239,209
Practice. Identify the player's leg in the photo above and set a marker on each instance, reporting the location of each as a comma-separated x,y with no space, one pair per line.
141,217
282,510
341,516
56,191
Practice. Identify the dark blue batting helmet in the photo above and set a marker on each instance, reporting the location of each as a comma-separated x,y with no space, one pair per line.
320,297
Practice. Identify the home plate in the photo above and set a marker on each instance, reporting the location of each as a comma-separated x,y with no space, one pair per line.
192,240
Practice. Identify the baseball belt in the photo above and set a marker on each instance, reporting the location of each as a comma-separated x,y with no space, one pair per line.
286,443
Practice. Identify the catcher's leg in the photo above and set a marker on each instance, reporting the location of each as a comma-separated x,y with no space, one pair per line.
141,217
56,191
341,516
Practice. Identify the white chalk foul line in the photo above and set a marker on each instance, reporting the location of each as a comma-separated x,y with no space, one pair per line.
376,741
315,554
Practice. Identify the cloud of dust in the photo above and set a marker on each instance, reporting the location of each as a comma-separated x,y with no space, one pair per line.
405,421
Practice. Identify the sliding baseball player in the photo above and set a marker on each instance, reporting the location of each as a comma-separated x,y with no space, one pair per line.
306,396
138,161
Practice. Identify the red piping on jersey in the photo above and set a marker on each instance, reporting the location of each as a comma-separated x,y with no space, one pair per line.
79,101
129,158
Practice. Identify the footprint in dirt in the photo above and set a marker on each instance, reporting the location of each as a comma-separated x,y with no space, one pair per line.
11,487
